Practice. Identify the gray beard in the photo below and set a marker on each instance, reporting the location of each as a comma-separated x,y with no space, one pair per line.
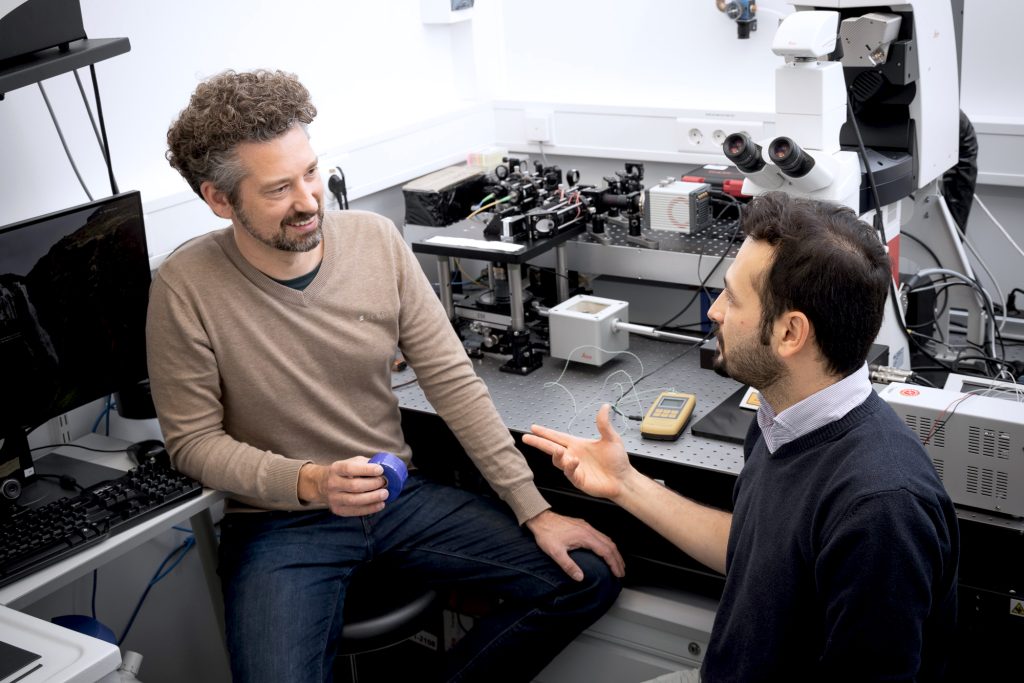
281,241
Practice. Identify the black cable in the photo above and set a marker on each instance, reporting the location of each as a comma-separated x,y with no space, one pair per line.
92,120
691,327
95,581
727,202
702,287
338,187
940,286
75,445
924,246
551,270
879,226
1010,300
955,367
975,347
404,384
926,353
867,167
644,376
918,379
988,359
103,128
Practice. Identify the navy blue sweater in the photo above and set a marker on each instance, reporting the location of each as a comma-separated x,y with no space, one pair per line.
841,561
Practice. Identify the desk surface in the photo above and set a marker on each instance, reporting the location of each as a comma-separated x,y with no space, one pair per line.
66,655
37,585
567,399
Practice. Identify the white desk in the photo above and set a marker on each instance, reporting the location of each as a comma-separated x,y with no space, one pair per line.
31,588
66,655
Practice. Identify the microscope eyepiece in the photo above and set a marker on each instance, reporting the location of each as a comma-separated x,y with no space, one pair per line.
743,152
790,158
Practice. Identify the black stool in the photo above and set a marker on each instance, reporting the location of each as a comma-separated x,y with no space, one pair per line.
382,609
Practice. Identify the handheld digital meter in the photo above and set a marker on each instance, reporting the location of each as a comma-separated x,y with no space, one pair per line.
667,416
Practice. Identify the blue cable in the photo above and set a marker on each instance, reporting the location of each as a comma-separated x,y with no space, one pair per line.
99,418
180,551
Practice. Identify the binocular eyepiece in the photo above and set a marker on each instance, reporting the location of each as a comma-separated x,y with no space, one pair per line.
784,153
790,158
743,152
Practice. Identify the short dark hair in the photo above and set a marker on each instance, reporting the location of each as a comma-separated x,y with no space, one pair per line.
828,265
226,110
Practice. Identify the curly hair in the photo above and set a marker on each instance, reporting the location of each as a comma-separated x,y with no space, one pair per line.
228,109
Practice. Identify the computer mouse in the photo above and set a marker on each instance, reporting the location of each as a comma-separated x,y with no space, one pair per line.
150,451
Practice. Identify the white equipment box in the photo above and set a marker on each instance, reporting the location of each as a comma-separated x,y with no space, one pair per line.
583,329
975,441
678,206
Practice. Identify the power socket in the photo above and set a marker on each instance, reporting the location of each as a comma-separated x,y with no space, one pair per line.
694,135
538,126
707,134
326,173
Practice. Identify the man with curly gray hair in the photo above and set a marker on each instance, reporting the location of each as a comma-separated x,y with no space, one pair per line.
270,346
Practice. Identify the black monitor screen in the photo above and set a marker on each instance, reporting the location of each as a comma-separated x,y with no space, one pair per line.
73,292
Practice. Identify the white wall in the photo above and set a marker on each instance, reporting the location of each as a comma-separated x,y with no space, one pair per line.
648,53
396,98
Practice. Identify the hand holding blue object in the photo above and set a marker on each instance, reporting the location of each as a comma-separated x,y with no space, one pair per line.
395,472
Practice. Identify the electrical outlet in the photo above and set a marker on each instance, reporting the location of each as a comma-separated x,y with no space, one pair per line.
538,126
707,135
694,135
328,168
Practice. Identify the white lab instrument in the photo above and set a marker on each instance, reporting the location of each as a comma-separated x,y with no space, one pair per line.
974,440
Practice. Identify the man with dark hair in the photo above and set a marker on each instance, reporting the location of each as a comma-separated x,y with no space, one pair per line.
270,345
840,554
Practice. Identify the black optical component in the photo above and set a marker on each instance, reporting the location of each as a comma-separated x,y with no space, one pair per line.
790,158
743,152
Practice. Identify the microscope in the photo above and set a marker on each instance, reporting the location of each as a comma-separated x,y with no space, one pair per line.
867,116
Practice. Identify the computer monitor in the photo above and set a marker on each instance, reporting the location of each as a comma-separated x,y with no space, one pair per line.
73,292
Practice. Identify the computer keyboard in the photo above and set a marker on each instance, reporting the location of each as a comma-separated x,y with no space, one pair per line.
33,538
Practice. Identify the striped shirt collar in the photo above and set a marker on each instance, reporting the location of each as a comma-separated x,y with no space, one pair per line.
817,410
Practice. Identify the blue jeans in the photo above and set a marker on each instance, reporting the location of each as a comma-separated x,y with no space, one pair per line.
285,574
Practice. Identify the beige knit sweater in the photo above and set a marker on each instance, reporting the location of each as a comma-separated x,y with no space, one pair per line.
252,379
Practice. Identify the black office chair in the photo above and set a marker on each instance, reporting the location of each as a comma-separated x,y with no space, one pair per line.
382,610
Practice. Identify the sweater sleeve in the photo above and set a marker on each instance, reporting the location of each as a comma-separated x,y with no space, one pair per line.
453,388
185,382
874,619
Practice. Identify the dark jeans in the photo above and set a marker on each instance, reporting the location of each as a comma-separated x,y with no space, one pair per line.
285,575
